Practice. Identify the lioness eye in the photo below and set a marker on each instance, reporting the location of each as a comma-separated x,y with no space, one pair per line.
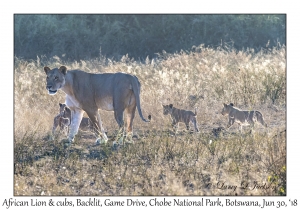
56,78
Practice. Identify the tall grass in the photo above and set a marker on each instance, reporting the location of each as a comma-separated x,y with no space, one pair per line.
159,163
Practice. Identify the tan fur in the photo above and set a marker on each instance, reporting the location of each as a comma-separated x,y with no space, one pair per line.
180,115
87,92
242,117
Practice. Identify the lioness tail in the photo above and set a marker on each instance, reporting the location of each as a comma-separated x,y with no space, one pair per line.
136,90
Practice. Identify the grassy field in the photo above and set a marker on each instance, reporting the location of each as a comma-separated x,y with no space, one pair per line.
159,163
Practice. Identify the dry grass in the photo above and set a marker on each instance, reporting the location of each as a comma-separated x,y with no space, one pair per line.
159,163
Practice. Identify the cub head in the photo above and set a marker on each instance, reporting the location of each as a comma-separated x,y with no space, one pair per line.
62,109
226,108
167,109
55,79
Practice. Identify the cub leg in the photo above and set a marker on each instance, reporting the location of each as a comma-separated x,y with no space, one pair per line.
241,128
55,123
187,126
174,125
230,122
194,121
64,123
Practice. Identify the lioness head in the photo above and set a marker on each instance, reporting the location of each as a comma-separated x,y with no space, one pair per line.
226,108
55,78
167,109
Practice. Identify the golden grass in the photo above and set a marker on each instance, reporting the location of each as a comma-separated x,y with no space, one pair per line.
159,163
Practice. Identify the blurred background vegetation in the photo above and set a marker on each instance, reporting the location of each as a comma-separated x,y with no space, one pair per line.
77,37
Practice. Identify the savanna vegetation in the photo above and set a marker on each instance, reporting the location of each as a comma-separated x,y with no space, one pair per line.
159,162
82,37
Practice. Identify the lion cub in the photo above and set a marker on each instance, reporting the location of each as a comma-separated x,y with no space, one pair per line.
63,119
242,117
180,115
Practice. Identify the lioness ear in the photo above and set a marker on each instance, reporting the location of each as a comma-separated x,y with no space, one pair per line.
171,106
231,104
46,69
225,104
63,70
60,104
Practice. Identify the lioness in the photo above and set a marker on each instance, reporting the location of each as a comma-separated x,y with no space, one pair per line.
89,92
180,115
242,117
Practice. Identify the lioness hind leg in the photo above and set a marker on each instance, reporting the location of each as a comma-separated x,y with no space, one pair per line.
130,112
120,136
119,116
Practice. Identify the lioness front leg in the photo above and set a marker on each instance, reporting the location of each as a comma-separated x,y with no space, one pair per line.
76,117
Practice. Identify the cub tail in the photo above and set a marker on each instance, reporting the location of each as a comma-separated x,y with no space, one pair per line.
260,118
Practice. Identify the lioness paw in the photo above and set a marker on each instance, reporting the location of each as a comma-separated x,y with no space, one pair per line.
101,141
71,139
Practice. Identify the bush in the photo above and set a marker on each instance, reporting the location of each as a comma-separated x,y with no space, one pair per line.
78,37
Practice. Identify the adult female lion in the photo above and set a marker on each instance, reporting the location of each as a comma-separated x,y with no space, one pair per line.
89,92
